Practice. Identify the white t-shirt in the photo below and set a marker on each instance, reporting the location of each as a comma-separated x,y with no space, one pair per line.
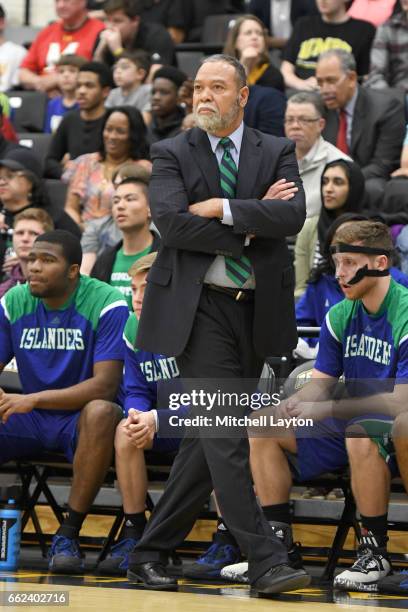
11,56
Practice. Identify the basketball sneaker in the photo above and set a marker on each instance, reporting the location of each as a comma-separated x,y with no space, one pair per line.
117,560
395,584
238,572
65,556
210,564
372,565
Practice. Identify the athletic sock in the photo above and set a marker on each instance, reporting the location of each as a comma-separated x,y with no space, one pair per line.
374,531
134,526
72,524
278,513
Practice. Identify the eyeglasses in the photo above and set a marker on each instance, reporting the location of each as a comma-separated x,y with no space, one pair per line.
304,121
8,176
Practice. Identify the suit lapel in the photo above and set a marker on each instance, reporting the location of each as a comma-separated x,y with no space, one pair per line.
358,123
206,160
248,168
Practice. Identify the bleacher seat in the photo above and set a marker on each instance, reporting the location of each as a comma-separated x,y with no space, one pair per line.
57,193
38,143
189,61
22,35
216,27
28,110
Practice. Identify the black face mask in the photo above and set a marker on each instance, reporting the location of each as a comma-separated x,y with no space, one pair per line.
364,271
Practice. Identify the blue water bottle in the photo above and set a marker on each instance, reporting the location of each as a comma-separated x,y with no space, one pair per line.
10,536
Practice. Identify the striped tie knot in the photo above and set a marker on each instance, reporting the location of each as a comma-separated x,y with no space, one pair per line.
226,143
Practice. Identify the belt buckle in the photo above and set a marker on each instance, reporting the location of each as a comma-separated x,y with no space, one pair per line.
239,295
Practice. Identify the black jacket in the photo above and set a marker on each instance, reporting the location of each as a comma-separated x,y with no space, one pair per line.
185,171
103,266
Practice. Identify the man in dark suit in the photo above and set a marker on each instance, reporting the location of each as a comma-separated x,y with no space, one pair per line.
220,298
298,8
366,124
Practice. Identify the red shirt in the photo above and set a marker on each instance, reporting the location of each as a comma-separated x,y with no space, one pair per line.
53,41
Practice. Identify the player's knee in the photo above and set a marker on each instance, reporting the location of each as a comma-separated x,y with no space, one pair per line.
361,449
100,416
400,428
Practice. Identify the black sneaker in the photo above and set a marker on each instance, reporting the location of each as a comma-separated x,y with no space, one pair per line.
283,531
371,566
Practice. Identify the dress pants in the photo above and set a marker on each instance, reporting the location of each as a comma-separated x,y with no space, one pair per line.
219,349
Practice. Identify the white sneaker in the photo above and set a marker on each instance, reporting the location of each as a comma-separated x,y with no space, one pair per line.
365,573
238,572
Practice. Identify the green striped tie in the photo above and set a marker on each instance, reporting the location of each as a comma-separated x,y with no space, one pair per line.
238,270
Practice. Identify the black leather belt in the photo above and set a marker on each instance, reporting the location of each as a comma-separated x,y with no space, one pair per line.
239,295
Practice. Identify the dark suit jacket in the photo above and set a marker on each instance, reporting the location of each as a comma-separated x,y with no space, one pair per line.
185,171
265,110
299,8
377,133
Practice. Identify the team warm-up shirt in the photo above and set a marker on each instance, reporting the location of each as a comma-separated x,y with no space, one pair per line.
312,36
56,349
120,277
366,346
53,41
147,380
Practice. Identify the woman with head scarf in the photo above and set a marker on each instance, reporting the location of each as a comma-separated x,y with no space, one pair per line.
342,190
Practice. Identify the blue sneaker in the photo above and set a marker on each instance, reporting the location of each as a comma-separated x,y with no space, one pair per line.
65,556
117,560
395,584
210,564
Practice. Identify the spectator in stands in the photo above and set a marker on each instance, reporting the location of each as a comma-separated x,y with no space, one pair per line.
90,176
185,96
74,33
28,224
280,16
65,332
131,213
145,415
80,131
8,137
265,110
395,203
169,13
365,338
100,234
126,30
167,114
375,11
21,187
67,70
341,190
316,34
389,58
129,73
11,56
323,290
195,13
368,125
247,42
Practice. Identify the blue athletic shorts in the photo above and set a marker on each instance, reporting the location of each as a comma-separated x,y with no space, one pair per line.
325,451
28,435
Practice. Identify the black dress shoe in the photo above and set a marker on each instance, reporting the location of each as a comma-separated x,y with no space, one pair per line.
281,578
152,575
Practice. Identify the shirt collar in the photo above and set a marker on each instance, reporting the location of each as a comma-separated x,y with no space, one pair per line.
236,138
349,108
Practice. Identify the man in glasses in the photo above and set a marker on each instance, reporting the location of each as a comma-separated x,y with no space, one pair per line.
368,125
304,124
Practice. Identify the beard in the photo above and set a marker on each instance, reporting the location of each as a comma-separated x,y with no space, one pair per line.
215,122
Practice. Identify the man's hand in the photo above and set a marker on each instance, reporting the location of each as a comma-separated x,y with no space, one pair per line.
9,264
281,190
112,38
310,84
209,209
140,428
400,172
13,403
311,410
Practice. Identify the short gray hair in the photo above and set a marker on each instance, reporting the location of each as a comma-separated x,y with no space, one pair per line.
346,59
232,61
308,97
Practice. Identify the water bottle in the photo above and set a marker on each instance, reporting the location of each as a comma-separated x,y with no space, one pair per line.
10,536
